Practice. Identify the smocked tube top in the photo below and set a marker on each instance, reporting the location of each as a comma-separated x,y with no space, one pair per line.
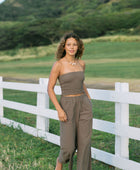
72,83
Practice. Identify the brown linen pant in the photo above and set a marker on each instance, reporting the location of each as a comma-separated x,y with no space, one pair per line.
76,132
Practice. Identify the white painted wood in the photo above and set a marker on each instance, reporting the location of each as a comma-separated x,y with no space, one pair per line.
97,154
128,97
127,131
102,94
55,139
114,160
104,126
28,87
23,86
133,132
47,113
57,90
120,128
1,98
32,131
115,96
116,129
42,102
101,125
105,95
17,125
121,118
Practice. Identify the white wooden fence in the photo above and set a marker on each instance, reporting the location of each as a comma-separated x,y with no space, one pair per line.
121,129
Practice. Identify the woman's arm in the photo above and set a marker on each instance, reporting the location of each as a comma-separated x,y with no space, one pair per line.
85,89
84,86
52,81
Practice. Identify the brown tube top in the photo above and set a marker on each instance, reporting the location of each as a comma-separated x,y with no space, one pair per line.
72,83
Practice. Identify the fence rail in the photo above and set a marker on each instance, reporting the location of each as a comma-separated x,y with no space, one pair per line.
121,129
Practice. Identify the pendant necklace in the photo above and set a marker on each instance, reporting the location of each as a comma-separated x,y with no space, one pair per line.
72,63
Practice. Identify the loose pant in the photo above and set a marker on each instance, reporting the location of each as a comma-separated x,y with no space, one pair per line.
76,132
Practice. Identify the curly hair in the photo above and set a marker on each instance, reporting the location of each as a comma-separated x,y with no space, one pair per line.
60,53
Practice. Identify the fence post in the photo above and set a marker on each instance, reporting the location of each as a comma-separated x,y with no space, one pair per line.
121,118
1,98
42,102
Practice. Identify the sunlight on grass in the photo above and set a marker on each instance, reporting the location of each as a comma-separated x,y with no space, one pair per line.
37,52
108,59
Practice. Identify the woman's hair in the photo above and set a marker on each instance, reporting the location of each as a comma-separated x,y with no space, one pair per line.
60,53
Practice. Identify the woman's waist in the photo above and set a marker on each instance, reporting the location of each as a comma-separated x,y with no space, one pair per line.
72,92
73,95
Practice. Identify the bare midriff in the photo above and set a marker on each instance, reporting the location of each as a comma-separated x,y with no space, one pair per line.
72,95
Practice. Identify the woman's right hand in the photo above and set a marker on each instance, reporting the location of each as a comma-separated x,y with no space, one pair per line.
62,116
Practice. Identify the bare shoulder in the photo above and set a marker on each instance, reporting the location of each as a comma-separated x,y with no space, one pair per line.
82,63
56,67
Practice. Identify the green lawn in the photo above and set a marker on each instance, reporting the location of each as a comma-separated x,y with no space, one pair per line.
108,60
112,50
22,150
125,70
103,59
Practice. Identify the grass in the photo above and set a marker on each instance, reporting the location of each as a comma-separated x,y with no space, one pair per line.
26,152
103,59
111,50
22,151
102,47
107,58
117,69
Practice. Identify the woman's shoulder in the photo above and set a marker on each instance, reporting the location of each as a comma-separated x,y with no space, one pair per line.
56,66
82,62
57,63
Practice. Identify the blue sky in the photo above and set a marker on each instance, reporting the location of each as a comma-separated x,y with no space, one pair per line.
1,1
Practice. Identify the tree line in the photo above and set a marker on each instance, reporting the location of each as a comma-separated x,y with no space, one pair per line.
47,31
86,18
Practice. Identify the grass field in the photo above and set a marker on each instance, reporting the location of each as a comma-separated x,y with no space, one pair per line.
106,61
26,152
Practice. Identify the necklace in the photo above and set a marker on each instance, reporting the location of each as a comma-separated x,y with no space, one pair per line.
72,63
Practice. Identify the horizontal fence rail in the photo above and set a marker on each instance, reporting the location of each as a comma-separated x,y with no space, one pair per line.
104,95
121,129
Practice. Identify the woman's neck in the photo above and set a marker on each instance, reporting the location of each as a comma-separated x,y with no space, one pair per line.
70,58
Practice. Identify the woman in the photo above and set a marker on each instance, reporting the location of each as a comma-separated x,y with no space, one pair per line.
75,108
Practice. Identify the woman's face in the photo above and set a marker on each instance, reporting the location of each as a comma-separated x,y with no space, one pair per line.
71,46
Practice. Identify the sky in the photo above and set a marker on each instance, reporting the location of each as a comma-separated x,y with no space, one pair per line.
1,1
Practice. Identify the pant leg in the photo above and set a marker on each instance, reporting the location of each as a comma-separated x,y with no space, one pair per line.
84,133
67,132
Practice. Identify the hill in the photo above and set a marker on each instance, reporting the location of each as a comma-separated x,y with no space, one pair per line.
13,10
35,23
